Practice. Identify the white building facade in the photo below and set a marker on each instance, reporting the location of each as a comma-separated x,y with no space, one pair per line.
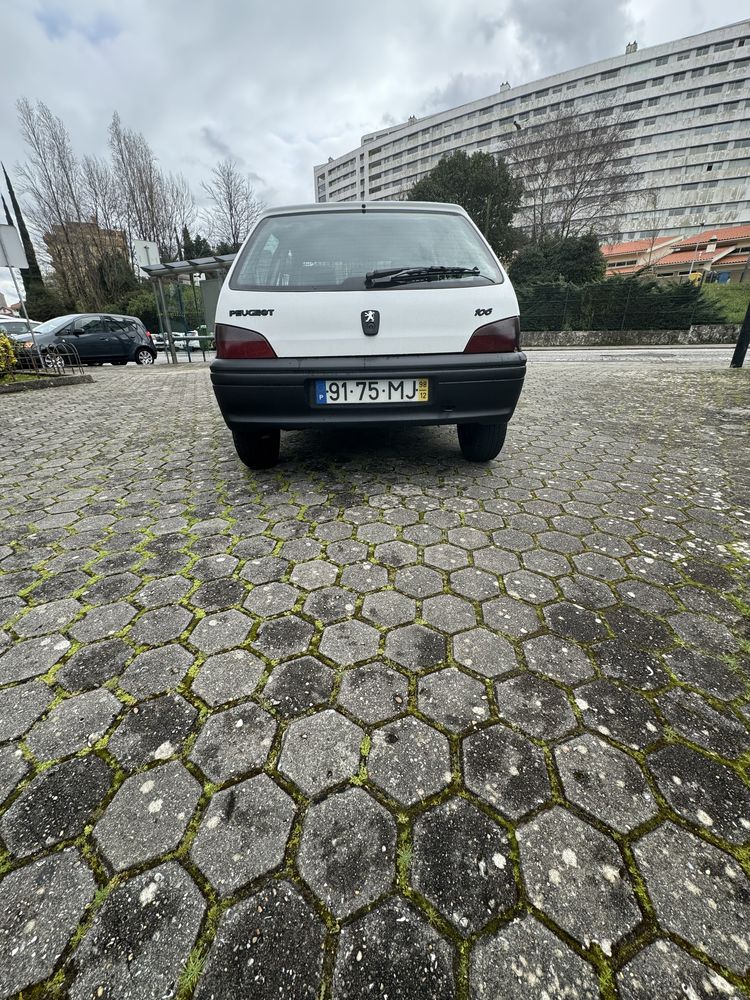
686,135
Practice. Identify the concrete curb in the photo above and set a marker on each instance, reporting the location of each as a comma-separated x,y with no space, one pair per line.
45,383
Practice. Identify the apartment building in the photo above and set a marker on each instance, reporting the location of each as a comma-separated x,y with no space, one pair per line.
685,134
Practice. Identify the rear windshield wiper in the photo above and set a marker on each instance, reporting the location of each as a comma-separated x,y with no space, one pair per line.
397,275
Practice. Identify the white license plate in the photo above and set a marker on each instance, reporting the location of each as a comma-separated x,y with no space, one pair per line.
372,390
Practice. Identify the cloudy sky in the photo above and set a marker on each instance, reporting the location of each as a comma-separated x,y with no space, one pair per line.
283,85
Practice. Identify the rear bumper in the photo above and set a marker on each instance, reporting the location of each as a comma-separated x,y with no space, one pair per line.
279,392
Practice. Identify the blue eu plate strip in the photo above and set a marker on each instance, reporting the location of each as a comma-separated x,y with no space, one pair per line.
320,391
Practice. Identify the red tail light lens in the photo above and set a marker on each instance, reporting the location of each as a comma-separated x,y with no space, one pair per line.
234,343
148,334
496,338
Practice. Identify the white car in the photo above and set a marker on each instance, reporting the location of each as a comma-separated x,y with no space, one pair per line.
14,326
366,314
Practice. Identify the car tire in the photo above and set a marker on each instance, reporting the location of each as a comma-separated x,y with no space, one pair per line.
481,442
143,357
258,449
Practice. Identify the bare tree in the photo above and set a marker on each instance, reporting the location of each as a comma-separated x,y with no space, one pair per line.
572,171
234,206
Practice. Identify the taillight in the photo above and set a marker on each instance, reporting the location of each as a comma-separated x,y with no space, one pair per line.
148,334
496,338
234,343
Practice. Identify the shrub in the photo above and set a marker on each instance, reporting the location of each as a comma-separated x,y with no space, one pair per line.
7,355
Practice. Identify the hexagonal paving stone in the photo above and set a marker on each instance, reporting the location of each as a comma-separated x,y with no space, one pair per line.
31,658
484,652
75,723
91,666
698,722
314,574
21,706
643,631
252,947
526,961
395,554
698,892
297,685
365,578
13,767
605,782
461,864
233,742
148,816
109,589
575,622
701,631
165,590
393,952
510,616
706,672
446,557
448,613
506,770
661,963
474,583
349,642
389,608
46,618
535,706
634,666
704,792
42,905
347,851
141,938
453,699
330,604
415,647
592,594
243,833
621,714
221,631
157,670
373,692
320,751
530,587
228,676
418,581
56,805
408,760
346,551
218,595
576,876
560,659
152,730
284,637
271,599
214,567
103,622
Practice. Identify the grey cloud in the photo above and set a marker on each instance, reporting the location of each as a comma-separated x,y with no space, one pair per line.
215,142
461,89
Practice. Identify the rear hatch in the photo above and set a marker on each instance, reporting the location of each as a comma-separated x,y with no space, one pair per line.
316,283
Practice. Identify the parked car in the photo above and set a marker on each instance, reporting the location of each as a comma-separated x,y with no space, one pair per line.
12,325
95,338
359,315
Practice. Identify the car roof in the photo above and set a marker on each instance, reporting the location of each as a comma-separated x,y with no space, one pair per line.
365,206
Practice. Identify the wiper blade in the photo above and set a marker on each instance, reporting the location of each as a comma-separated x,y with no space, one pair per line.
397,274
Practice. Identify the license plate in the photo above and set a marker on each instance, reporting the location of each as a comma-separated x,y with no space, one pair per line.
374,390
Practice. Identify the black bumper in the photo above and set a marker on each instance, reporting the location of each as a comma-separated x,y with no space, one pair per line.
279,392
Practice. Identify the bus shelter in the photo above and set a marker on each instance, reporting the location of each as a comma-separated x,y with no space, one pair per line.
212,271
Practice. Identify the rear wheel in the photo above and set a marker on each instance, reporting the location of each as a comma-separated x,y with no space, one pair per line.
143,356
481,442
258,449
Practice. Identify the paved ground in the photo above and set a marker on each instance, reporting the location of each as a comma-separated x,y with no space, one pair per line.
378,723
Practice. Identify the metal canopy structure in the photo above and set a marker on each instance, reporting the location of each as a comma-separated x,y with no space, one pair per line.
216,267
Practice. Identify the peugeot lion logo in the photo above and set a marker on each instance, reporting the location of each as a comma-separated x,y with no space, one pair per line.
370,322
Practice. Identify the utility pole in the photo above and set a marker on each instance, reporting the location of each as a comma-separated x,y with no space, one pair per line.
743,342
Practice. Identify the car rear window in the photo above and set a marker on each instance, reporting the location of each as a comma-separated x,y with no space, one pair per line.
331,251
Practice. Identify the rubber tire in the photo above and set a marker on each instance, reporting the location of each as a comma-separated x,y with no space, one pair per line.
141,356
481,442
258,449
